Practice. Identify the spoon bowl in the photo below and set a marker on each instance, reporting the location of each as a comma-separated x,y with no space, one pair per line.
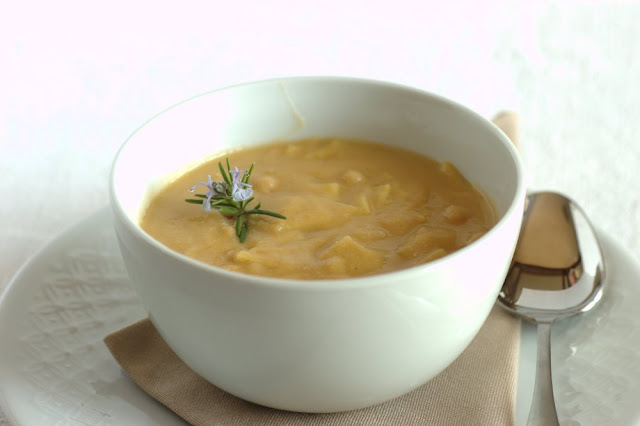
557,271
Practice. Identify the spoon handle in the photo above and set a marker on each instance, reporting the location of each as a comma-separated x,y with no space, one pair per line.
543,407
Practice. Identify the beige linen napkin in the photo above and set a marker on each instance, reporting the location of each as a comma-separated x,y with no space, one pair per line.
478,388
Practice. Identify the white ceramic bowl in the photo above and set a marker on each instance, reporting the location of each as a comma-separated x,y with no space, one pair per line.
317,346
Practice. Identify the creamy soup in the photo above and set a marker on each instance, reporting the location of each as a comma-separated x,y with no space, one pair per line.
352,208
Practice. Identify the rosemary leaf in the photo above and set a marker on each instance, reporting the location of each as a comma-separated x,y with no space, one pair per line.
229,211
239,220
243,231
225,176
223,203
265,212
247,175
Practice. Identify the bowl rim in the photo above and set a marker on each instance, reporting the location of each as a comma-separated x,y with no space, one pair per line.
321,284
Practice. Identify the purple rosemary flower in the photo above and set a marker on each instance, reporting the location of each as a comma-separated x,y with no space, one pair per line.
216,190
240,190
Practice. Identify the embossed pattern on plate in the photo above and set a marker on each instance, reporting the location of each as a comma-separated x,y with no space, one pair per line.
55,370
54,367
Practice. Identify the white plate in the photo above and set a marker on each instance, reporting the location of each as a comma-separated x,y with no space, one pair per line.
55,370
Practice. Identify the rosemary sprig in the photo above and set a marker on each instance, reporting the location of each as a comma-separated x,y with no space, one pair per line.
231,197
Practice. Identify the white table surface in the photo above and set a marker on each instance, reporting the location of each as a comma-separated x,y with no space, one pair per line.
76,78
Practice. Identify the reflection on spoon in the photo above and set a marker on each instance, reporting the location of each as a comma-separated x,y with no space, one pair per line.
557,271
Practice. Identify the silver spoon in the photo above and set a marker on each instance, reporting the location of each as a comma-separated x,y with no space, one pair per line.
557,271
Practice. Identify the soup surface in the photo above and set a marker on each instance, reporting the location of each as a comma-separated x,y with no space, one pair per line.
353,208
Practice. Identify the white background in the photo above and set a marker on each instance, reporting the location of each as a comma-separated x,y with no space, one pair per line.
76,78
